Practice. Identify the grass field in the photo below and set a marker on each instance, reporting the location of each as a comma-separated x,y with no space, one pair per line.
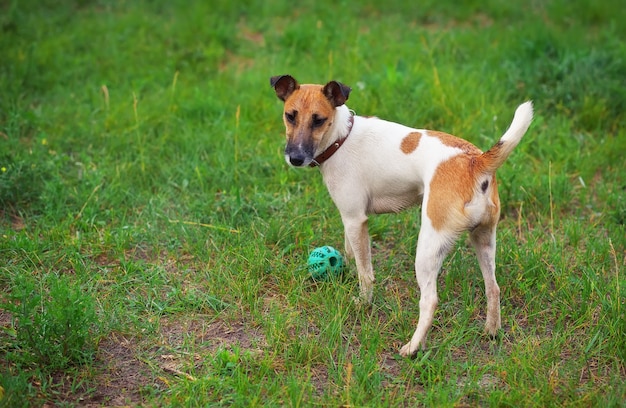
153,241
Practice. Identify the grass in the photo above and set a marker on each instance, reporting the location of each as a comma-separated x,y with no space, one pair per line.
153,241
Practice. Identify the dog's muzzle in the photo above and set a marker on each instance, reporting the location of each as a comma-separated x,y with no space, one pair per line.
298,155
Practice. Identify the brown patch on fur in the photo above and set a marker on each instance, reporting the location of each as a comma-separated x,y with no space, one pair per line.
410,142
452,186
453,141
493,158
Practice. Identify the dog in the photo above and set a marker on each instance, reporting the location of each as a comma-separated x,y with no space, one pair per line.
373,166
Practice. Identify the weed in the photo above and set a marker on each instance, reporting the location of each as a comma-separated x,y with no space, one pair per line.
55,322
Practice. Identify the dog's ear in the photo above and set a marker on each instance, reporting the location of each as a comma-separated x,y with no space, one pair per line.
336,92
284,85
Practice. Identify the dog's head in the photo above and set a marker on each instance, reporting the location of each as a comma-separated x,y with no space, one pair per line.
308,115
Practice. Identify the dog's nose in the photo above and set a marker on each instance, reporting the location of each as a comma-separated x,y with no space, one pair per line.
296,161
298,154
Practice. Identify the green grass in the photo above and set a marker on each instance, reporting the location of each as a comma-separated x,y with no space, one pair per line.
153,240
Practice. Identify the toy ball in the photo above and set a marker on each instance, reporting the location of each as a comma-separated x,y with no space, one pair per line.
325,262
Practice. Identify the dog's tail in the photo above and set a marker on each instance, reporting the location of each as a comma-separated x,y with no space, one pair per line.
493,158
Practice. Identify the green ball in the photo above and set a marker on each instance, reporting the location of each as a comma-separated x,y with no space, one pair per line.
325,262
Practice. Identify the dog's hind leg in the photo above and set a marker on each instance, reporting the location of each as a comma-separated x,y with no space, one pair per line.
432,248
484,241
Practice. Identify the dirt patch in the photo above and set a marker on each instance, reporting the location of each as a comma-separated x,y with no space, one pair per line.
11,217
186,343
122,375
6,318
125,367
128,369
210,335
115,378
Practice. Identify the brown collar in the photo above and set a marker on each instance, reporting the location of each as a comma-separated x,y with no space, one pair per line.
326,154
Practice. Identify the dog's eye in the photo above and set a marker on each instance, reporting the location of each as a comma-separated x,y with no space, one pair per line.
317,121
291,117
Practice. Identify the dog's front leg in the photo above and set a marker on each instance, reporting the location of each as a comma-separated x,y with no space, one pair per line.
348,247
358,245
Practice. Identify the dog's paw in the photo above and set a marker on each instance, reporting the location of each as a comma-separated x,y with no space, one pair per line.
361,303
492,328
410,350
367,296
406,351
492,333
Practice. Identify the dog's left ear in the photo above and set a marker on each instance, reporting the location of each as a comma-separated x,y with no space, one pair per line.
336,92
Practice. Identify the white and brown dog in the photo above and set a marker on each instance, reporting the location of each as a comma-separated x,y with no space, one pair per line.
373,166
